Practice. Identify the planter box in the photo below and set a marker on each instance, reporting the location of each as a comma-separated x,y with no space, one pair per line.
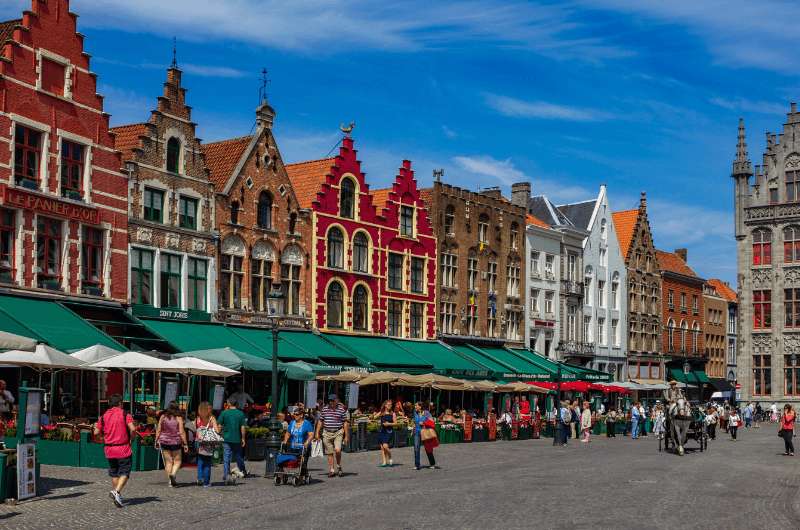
145,457
58,453
11,443
255,449
401,437
525,433
480,435
372,441
92,454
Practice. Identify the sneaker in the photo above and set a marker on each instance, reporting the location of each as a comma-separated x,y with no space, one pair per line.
391,464
331,474
199,482
417,468
340,473
172,482
117,498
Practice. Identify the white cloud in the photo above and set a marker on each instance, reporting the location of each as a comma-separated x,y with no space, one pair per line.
738,33
502,170
517,108
748,105
125,106
448,132
325,26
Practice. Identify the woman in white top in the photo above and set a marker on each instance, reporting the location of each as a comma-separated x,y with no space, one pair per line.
733,423
586,422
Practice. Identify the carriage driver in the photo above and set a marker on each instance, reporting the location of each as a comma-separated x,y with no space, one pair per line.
673,393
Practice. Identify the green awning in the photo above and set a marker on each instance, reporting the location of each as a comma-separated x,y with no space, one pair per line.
230,358
261,338
588,374
192,336
519,366
50,322
702,377
379,352
694,377
477,357
319,348
445,360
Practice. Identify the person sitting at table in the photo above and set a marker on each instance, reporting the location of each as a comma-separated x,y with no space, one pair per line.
241,397
525,409
447,417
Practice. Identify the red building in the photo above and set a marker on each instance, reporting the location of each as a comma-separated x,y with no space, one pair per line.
682,307
63,220
373,254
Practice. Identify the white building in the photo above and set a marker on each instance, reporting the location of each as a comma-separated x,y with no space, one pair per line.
542,286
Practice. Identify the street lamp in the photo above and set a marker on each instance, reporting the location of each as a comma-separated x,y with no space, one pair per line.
732,381
273,442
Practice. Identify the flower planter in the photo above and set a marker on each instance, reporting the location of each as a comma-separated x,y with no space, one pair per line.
58,453
92,454
480,435
11,443
145,457
255,449
372,441
401,437
525,433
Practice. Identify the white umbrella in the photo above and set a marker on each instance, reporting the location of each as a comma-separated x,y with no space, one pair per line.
42,357
95,353
195,366
10,341
135,361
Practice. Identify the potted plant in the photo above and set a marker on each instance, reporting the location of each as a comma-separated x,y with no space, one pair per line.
256,445
372,436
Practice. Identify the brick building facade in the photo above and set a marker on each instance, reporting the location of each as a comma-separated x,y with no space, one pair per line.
724,289
635,238
171,229
682,310
263,230
373,252
714,334
481,245
63,220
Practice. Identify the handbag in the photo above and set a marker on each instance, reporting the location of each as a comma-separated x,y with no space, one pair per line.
209,436
316,449
427,434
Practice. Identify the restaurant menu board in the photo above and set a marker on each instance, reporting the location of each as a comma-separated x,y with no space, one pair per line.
219,395
26,469
352,396
311,394
170,392
33,413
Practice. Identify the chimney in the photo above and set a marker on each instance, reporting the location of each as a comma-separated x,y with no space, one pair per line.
520,193
682,253
493,192
265,115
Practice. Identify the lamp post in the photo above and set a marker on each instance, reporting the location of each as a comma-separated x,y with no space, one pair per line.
732,381
273,442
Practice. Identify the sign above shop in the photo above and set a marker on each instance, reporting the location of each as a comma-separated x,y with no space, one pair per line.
48,205
170,314
245,317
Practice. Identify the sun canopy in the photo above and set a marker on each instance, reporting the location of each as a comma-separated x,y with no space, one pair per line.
348,376
519,386
440,382
43,357
195,366
12,341
381,378
95,353
230,358
481,386
134,361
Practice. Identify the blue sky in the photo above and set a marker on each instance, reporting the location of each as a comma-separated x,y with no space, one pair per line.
640,95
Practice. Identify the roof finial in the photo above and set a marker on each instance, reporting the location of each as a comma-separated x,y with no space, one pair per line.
174,52
741,164
438,174
262,90
347,129
643,201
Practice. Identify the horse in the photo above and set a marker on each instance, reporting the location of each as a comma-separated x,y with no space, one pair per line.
680,414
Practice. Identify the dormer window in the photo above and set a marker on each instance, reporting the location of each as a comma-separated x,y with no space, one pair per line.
264,218
407,221
235,213
173,155
347,193
72,156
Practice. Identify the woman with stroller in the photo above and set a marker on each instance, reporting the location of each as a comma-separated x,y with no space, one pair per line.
299,435
387,419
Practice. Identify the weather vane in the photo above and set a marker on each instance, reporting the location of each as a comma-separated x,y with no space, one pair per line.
347,129
262,91
174,52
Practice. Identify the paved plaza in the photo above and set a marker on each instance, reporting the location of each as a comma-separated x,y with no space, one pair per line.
617,483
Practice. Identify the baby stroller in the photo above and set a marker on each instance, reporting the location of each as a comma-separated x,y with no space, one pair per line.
292,466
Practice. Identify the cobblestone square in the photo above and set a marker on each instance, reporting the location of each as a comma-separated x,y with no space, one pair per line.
610,483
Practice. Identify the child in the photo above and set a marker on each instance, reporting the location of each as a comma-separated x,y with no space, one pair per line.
659,422
734,420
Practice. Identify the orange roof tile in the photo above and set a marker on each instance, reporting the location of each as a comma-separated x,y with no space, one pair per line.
222,158
307,177
671,262
723,289
535,221
379,197
126,138
624,225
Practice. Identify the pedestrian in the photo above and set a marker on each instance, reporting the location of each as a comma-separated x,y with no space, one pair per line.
773,412
565,417
747,414
586,423
299,435
171,439
423,421
6,402
118,430
204,422
386,419
659,421
786,429
231,424
241,397
334,427
734,421
574,424
711,422
635,421
611,424
642,420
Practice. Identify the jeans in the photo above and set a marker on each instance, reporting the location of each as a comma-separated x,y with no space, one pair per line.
229,451
204,469
732,430
634,428
712,431
610,429
787,440
417,447
748,422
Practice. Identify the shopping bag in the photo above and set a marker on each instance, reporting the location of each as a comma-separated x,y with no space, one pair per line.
316,448
427,434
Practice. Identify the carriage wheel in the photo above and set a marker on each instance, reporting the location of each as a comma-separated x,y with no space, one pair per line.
296,481
277,480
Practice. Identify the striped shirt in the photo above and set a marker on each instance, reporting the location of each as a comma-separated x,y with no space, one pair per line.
333,418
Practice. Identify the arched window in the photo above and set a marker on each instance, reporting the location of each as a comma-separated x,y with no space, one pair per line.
483,228
360,253
173,155
235,212
347,198
792,186
615,291
695,336
587,286
335,301
791,244
360,308
335,248
684,329
671,335
603,232
762,247
449,219
264,212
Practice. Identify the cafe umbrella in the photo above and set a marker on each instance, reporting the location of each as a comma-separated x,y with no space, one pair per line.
132,362
11,341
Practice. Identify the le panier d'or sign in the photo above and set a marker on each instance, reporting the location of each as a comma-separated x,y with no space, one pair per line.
15,197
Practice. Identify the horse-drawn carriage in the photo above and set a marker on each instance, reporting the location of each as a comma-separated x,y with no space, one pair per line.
684,422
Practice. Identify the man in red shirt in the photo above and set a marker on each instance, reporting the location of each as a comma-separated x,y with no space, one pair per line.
118,431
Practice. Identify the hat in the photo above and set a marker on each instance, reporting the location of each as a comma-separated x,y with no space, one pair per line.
673,382
332,397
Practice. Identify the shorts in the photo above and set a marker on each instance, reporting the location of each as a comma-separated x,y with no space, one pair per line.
168,447
119,467
332,441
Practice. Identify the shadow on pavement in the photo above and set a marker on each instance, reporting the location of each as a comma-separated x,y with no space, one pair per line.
9,515
141,500
66,496
49,484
